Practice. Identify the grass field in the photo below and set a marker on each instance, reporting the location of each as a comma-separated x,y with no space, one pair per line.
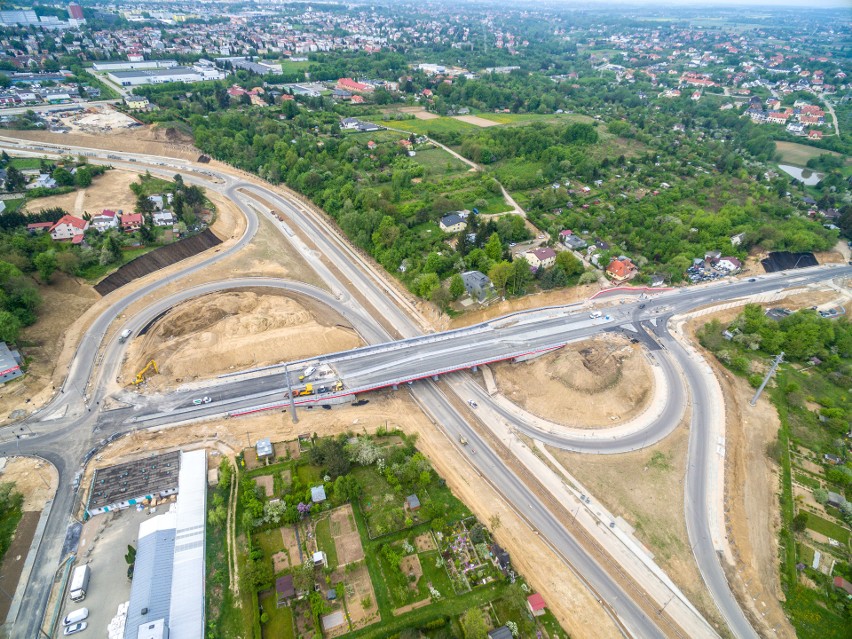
290,66
97,271
523,118
799,154
13,204
439,163
280,623
828,528
310,475
428,127
325,541
269,541
25,163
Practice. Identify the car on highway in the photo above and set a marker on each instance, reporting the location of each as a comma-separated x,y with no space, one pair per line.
752,279
472,403
75,628
201,400
641,306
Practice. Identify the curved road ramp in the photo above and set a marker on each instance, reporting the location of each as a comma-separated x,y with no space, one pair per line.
157,259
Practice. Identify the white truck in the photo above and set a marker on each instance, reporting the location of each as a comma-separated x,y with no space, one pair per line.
79,583
124,335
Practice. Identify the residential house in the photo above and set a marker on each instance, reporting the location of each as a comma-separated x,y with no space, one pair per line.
730,264
349,123
285,589
502,632
840,582
621,269
68,227
264,449
131,222
43,181
835,500
163,218
318,494
536,605
814,135
452,223
320,559
570,240
737,239
477,284
136,102
38,227
157,201
412,502
541,257
348,84
832,459
105,221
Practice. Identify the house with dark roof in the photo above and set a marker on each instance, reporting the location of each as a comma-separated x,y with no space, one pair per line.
452,223
502,632
285,589
412,502
541,257
477,284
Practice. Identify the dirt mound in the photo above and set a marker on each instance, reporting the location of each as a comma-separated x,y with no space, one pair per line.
595,383
224,332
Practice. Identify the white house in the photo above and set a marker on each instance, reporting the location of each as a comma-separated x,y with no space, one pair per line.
164,218
542,257
105,221
729,264
43,181
68,227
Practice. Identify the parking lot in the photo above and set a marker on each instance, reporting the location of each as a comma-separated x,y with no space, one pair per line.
103,545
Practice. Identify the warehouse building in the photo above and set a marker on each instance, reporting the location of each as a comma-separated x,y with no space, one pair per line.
127,65
135,78
167,592
124,485
10,364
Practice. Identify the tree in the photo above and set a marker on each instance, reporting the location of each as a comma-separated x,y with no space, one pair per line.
144,205
15,180
130,555
46,264
63,177
520,277
800,521
589,277
83,177
10,327
68,262
473,624
494,248
456,286
570,264
499,274
303,577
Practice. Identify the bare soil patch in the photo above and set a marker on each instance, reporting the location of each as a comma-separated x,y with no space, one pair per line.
425,542
265,482
358,589
600,382
36,479
237,330
476,120
347,541
108,191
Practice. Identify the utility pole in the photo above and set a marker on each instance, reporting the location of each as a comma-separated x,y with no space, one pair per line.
778,359
290,393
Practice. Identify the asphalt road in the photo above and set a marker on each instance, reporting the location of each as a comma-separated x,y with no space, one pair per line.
66,443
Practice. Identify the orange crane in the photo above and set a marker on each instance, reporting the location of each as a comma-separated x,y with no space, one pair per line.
140,376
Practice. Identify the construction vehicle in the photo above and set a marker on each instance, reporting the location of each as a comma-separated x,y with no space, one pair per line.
338,386
140,376
310,370
307,390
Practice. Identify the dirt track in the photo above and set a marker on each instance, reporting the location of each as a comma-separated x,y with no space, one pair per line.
219,333
601,382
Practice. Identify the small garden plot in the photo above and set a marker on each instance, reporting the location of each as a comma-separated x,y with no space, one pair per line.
266,483
360,598
325,541
308,474
467,557
412,579
279,621
347,541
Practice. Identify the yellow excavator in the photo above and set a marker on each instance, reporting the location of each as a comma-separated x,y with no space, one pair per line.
140,376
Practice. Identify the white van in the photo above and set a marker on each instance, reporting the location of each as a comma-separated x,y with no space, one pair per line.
76,616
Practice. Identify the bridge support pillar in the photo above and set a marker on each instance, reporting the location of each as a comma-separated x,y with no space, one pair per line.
475,369
434,378
395,387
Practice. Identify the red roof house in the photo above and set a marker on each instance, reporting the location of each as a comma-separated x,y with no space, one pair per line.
621,269
536,604
38,227
131,222
814,135
840,582
348,84
67,227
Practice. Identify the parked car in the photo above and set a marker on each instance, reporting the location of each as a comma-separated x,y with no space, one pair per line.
75,628
75,616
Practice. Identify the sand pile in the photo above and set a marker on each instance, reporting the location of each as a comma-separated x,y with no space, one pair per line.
231,331
595,383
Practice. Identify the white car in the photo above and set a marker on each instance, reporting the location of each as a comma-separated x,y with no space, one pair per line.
472,403
201,400
77,627
75,616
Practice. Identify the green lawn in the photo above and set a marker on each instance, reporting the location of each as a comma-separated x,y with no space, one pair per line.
9,519
96,272
26,163
325,541
153,185
427,127
13,204
438,162
828,528
798,154
291,66
811,618
523,118
308,474
280,623
270,542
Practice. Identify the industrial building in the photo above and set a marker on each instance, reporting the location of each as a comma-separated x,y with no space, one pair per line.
124,485
167,593
135,78
129,65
